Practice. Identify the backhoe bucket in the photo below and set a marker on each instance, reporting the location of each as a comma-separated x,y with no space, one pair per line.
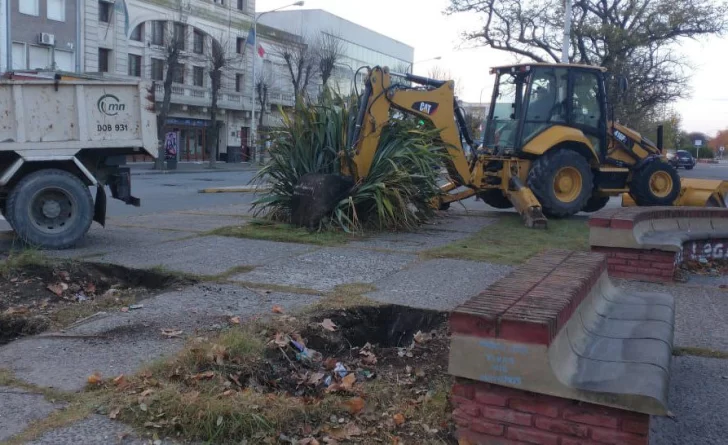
695,193
526,204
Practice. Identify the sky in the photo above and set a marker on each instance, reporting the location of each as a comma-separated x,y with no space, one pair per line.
422,25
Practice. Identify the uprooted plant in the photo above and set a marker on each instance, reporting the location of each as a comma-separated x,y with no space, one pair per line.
395,194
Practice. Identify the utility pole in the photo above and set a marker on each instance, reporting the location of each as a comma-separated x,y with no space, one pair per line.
567,32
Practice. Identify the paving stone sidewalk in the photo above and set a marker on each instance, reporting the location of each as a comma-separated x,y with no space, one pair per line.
115,343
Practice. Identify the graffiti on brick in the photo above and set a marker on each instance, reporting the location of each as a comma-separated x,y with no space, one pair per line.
707,249
500,359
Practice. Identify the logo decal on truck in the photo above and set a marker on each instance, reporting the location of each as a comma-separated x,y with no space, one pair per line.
428,108
110,105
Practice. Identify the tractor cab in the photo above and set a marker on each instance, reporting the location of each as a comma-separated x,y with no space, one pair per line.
528,100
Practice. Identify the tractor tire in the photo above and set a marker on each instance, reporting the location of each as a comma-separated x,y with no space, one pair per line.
562,181
655,184
50,208
595,204
496,199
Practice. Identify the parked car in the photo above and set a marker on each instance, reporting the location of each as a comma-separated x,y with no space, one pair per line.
683,159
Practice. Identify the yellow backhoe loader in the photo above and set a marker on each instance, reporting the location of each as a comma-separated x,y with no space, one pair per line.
549,148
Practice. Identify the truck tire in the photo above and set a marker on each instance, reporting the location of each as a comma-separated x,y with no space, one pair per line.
50,208
562,182
655,184
496,199
595,203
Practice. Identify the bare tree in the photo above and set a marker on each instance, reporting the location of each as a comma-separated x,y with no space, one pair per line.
440,73
219,58
263,85
330,51
634,38
302,64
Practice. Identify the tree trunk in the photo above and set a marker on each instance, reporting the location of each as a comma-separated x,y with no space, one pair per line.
214,132
164,112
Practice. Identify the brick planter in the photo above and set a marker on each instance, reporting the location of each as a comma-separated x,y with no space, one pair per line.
490,414
634,264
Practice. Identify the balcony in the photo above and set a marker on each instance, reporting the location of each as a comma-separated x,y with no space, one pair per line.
202,97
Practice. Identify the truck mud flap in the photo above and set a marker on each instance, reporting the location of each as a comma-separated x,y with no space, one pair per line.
120,185
100,205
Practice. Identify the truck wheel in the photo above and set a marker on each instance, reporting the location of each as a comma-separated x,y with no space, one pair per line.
562,181
495,198
51,209
655,184
595,203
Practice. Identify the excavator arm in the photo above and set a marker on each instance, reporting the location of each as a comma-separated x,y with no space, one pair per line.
434,101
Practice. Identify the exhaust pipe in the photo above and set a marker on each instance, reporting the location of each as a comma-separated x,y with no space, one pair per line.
660,135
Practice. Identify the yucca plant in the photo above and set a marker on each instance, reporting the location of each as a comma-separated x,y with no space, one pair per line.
396,193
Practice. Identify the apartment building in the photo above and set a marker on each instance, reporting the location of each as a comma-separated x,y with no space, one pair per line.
40,35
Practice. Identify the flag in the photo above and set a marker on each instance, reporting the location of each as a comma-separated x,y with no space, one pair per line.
251,41
121,8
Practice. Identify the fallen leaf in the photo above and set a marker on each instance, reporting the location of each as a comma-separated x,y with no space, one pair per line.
172,333
143,407
125,309
316,378
204,375
354,405
308,441
398,419
277,309
56,288
152,425
146,392
348,382
328,325
235,320
368,358
14,280
119,380
114,413
420,373
64,275
281,339
219,420
421,337
228,392
347,432
94,379
90,288
330,363
218,354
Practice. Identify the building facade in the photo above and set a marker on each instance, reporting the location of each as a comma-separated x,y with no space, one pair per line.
128,40
360,46
40,35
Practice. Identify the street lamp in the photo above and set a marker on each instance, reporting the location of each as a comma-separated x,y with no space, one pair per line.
425,60
254,124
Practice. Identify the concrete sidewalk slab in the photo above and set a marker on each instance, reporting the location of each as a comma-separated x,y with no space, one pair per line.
326,268
177,221
228,210
19,408
410,242
438,284
95,430
207,255
701,313
699,399
460,223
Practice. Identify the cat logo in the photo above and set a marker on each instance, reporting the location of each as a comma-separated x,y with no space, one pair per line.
428,108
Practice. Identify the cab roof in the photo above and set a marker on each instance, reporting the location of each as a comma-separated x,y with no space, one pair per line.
525,66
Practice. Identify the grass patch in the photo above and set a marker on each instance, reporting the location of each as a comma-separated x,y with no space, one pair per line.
679,351
266,230
18,260
508,241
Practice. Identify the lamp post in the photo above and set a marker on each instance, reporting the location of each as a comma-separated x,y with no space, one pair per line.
353,74
420,61
254,123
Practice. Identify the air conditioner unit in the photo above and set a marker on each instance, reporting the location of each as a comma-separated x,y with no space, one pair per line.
47,39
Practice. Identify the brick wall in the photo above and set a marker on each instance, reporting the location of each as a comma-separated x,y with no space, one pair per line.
490,414
636,264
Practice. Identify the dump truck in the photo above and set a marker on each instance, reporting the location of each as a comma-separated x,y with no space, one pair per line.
551,147
59,138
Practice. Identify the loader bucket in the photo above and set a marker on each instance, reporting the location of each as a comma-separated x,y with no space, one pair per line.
695,193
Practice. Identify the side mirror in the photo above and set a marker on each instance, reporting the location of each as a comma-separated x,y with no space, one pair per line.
623,84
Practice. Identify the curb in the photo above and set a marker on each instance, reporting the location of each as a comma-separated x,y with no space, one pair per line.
236,189
182,172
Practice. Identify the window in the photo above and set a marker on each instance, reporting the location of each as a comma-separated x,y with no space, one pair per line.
157,69
178,75
198,76
104,60
20,56
241,5
239,83
29,7
220,2
240,45
39,57
105,9
64,60
138,33
158,33
135,65
199,42
179,35
586,110
57,10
